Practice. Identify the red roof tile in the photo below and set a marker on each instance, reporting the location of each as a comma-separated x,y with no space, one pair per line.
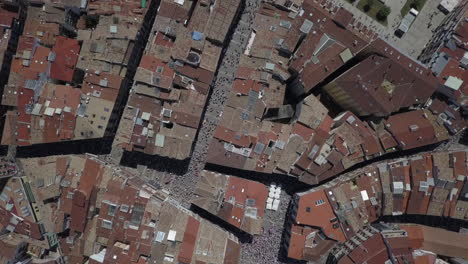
92,174
188,242
241,190
233,137
411,129
373,250
39,62
173,10
459,165
24,136
198,74
66,56
25,97
25,43
345,260
243,86
329,58
303,131
415,234
152,63
232,253
384,85
6,18
103,85
244,73
79,212
316,203
343,17
296,246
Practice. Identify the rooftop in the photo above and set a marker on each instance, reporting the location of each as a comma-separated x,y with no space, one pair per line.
399,86
421,184
450,64
7,18
238,201
315,203
436,240
65,88
413,129
174,77
95,198
263,129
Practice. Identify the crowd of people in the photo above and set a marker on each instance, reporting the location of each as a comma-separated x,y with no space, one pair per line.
181,185
265,248
267,245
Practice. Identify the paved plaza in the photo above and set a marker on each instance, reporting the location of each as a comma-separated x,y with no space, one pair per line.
414,41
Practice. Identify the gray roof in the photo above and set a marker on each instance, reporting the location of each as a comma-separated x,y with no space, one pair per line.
325,42
306,26
259,148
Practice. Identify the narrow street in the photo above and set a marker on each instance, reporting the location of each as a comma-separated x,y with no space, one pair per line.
181,185
266,247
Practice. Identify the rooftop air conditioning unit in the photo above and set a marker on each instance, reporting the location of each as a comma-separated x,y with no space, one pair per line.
398,187
423,186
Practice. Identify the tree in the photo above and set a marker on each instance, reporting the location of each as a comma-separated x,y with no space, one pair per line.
383,13
368,5
416,4
91,21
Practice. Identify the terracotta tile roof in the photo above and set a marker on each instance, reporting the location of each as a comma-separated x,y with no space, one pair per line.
296,244
102,85
188,242
316,203
173,10
240,190
345,260
244,86
372,250
39,62
343,17
415,234
385,93
153,64
48,31
351,141
61,96
437,240
198,74
233,137
303,131
411,129
7,17
329,58
79,212
220,19
66,56
244,73
232,253
92,174
23,136
162,40
459,165
8,250
218,155
25,43
25,97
